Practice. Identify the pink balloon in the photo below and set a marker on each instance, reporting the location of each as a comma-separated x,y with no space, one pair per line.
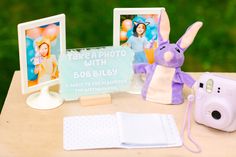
126,25
51,32
148,15
34,33
155,18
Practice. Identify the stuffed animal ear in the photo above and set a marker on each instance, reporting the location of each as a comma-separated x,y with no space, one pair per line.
164,27
186,40
147,23
135,23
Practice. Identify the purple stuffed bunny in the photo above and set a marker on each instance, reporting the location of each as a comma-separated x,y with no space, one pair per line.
164,78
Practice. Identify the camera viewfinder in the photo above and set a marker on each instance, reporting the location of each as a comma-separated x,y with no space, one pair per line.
209,85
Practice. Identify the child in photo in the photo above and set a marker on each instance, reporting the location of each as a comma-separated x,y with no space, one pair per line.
139,32
47,67
138,42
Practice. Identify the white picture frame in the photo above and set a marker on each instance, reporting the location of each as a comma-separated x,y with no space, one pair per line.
37,30
125,32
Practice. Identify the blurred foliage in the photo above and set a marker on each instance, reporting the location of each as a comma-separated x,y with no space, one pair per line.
90,23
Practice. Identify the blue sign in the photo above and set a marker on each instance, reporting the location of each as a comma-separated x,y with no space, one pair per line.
93,71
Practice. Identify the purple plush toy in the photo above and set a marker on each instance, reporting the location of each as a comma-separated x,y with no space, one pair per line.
164,78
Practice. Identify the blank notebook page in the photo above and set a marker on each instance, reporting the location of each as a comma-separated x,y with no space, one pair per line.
88,132
141,129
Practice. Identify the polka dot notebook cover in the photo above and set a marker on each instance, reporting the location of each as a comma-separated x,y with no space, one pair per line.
120,130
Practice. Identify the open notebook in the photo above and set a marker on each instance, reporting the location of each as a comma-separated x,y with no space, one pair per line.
120,130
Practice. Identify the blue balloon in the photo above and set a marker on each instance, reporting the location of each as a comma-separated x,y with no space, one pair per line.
129,33
151,22
31,75
30,55
29,42
148,33
155,27
30,52
138,19
154,34
151,33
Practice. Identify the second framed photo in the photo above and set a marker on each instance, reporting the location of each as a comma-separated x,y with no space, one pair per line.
137,28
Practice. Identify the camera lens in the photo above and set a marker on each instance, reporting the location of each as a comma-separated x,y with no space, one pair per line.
216,115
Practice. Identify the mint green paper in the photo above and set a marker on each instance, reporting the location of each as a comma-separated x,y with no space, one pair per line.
95,71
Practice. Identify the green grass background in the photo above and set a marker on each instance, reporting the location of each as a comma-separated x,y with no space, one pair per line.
90,23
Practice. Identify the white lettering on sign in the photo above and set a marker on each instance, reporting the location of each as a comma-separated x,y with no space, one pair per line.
82,74
95,62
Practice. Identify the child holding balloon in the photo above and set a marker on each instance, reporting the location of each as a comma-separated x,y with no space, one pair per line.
47,67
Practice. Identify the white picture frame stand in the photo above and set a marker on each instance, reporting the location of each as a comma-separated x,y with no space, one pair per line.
44,99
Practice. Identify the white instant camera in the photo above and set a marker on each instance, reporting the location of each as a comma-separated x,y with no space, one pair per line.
215,102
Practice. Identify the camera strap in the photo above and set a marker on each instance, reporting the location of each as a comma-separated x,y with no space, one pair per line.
187,125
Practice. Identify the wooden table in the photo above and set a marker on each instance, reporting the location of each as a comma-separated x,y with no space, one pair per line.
27,132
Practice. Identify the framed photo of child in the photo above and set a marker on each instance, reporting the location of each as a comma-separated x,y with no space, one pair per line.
40,44
137,28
